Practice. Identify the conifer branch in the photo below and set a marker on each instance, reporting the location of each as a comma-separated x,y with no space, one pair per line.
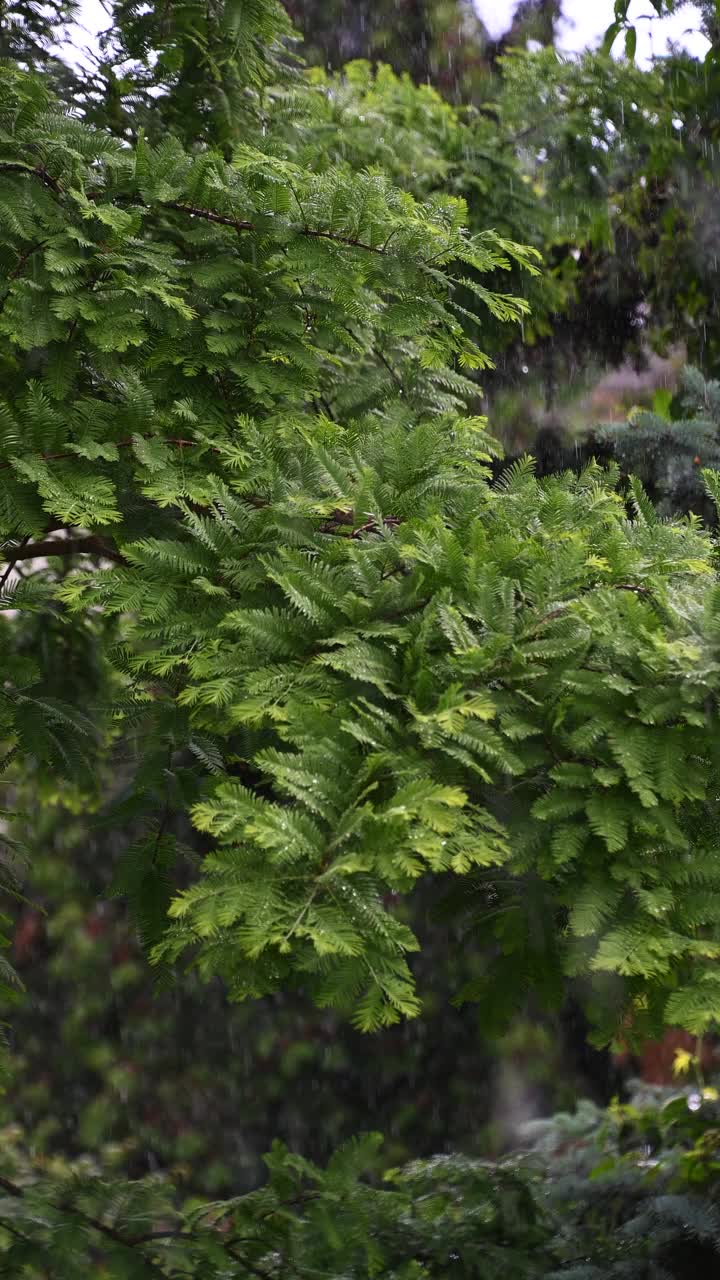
194,211
384,360
34,171
19,266
17,271
243,224
390,522
103,1228
175,441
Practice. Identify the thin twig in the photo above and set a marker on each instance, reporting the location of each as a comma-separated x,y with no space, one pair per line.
243,224
18,269
119,444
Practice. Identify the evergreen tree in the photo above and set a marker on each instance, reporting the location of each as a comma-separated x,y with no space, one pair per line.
304,355
669,454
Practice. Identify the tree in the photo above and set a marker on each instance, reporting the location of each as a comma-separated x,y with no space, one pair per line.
606,168
296,557
440,42
250,525
534,20
307,354
116,1081
28,29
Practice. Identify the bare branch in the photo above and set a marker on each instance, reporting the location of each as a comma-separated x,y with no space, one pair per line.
87,546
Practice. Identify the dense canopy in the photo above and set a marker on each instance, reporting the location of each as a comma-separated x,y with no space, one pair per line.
343,708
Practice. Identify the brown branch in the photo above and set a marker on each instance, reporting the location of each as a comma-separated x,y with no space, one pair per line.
391,522
194,211
87,545
376,350
340,518
242,224
97,1225
103,1228
393,374
17,269
150,1236
119,444
37,171
208,215
632,586
245,1262
90,545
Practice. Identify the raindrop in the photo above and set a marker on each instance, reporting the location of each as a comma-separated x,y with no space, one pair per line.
694,1101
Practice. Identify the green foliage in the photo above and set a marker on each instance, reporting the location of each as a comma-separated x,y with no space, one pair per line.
352,663
259,576
119,1071
176,1076
607,169
305,1221
198,69
629,1193
118,308
28,30
546,161
237,378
